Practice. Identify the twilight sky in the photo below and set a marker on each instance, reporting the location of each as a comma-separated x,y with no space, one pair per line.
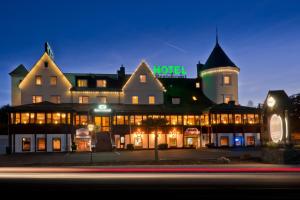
262,37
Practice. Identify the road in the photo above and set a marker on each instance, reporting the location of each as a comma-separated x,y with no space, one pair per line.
274,177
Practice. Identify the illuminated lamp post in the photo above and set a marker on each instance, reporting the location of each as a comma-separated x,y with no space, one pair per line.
91,129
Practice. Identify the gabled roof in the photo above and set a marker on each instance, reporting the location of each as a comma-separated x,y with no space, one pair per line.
218,58
19,71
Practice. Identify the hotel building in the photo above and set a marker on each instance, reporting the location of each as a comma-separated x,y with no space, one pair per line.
53,111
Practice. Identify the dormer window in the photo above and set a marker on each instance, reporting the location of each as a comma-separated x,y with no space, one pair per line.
101,83
82,83
46,64
175,100
143,79
197,85
38,80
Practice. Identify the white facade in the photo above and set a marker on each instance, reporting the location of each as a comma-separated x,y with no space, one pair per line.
65,140
215,88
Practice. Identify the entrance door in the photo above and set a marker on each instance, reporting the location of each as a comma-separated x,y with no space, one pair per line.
238,141
83,144
191,142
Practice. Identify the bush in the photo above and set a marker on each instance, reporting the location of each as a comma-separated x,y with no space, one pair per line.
163,146
210,145
73,147
8,151
130,147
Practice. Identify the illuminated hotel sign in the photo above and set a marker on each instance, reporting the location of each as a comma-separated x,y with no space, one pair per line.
102,108
276,128
172,71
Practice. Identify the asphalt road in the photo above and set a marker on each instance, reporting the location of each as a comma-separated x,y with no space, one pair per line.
151,177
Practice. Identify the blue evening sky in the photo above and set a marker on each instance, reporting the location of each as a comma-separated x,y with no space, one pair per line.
262,37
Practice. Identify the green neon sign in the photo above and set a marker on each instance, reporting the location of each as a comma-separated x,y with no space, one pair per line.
169,71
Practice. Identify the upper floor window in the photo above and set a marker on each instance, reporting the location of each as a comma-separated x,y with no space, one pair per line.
197,85
101,83
37,99
55,99
176,100
53,80
143,79
102,99
38,80
135,100
226,80
82,83
151,99
83,99
227,98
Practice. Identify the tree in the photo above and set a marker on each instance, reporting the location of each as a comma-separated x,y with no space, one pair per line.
4,119
155,123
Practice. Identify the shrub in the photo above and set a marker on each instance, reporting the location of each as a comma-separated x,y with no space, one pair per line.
73,147
210,145
130,146
163,146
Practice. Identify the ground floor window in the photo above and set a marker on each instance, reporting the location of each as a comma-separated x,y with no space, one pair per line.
173,142
238,141
83,144
224,141
138,142
250,140
56,144
26,144
41,144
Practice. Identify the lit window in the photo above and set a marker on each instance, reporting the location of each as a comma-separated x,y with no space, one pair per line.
197,85
135,100
82,83
143,78
83,99
175,100
40,118
41,144
151,99
226,80
101,83
56,144
37,99
55,99
26,144
102,100
38,80
194,98
53,80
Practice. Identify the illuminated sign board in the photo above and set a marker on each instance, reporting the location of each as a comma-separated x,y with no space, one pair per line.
171,71
276,128
102,108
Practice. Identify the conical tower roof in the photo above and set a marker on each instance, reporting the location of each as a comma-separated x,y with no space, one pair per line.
218,58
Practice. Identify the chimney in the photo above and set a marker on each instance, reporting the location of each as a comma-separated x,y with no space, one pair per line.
199,67
121,72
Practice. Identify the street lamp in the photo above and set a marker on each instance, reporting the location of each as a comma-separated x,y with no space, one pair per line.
91,129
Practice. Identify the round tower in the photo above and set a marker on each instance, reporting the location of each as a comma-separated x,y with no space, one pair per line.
220,77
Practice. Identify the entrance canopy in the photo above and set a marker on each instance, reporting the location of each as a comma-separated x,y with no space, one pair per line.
192,131
83,133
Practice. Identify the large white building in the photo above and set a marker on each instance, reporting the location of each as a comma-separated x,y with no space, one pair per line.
52,109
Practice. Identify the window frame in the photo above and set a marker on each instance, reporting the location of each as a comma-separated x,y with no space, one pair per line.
53,139
143,78
38,77
132,100
149,100
99,85
81,99
223,79
83,80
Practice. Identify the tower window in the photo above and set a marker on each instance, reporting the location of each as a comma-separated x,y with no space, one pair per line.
37,99
227,98
197,85
226,80
83,99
